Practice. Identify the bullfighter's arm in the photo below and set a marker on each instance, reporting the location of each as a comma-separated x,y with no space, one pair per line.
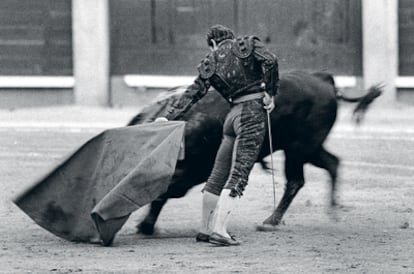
270,67
192,94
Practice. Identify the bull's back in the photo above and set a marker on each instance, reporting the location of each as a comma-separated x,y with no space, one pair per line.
304,88
306,109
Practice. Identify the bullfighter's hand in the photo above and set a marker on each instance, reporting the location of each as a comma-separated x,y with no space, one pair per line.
161,119
268,102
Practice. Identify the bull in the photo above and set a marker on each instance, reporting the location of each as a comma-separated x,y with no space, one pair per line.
306,111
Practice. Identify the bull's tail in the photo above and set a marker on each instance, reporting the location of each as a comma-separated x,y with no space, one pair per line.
363,101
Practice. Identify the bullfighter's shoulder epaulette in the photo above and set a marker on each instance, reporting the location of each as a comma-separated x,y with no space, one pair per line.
243,46
207,67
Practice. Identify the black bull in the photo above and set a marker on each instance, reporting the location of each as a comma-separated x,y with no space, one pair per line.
306,109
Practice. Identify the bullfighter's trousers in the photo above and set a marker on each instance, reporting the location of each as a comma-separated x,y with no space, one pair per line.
243,134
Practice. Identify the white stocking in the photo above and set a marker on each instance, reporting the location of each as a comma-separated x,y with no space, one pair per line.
207,212
225,206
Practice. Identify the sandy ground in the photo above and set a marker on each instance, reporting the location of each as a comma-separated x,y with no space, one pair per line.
374,233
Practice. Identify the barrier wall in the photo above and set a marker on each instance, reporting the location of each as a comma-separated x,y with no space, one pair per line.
35,37
168,37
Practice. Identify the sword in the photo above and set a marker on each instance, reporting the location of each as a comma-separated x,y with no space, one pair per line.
271,157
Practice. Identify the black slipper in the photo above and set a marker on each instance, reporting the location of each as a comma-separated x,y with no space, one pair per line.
202,237
221,240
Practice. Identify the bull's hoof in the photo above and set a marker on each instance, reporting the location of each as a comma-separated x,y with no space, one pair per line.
145,228
335,212
267,227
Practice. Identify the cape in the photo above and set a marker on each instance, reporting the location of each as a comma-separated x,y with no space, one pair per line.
91,194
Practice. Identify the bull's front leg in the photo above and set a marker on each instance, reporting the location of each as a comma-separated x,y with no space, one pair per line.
292,188
147,226
295,181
